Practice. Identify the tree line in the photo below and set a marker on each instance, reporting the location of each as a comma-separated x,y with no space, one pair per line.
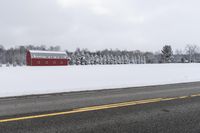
17,56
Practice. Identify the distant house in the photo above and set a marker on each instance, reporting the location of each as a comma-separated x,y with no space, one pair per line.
46,58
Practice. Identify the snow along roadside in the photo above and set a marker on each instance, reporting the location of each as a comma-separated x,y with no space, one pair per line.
18,81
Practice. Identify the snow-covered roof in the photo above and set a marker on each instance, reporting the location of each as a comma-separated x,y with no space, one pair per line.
48,54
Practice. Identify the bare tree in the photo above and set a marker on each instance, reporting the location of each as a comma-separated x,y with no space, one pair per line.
192,51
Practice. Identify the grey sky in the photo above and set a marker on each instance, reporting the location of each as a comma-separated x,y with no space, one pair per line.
99,24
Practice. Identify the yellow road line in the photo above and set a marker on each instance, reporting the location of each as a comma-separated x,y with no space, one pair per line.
99,107
195,95
183,97
170,98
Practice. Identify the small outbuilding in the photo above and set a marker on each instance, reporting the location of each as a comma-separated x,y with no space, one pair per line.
46,58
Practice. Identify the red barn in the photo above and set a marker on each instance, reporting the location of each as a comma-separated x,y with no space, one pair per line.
46,58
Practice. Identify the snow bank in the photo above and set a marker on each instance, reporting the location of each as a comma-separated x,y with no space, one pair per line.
17,81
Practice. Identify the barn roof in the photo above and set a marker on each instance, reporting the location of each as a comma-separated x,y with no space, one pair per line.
48,54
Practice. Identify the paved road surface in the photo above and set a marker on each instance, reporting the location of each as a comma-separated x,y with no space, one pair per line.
175,115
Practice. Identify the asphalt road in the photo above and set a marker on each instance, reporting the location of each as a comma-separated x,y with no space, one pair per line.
167,116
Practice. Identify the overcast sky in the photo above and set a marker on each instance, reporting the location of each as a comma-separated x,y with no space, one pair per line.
100,24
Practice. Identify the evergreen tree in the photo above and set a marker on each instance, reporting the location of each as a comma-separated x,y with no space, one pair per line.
167,54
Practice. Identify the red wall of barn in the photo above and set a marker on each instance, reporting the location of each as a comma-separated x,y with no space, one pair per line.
48,62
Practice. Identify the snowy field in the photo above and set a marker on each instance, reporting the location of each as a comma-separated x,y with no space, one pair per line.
17,81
